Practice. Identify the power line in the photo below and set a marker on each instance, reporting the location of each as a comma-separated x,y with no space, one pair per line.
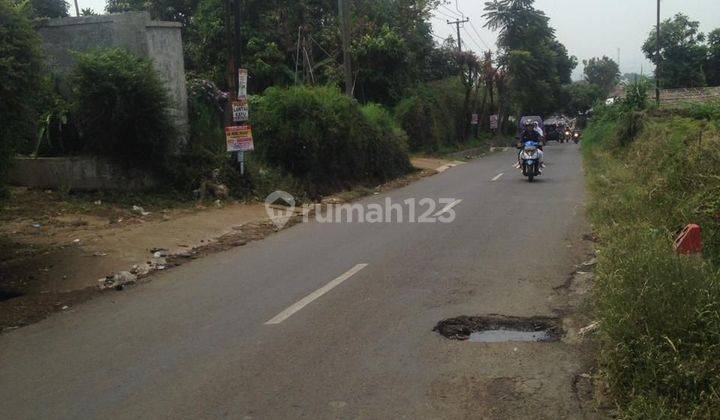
438,36
481,38
452,11
477,44
446,15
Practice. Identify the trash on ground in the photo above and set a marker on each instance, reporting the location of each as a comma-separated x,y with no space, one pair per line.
117,281
590,329
141,211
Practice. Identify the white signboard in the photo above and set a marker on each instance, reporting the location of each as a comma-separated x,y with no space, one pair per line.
242,83
240,110
494,119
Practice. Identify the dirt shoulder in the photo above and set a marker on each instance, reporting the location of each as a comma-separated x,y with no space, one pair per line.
59,250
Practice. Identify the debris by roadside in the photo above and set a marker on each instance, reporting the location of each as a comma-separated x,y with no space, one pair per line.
117,281
590,329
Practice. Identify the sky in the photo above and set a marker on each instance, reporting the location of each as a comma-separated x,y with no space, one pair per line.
588,28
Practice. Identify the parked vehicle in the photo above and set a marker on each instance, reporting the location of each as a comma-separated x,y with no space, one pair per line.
530,160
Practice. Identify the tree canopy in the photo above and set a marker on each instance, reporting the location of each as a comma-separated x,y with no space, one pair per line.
536,64
683,52
602,72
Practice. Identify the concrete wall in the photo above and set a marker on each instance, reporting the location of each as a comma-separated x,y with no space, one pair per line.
161,42
77,174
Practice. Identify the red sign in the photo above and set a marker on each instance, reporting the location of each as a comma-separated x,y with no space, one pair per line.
239,138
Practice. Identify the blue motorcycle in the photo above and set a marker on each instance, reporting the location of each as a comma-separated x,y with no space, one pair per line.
530,160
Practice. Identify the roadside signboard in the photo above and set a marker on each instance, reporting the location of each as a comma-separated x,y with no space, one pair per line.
240,110
239,138
494,119
475,119
242,83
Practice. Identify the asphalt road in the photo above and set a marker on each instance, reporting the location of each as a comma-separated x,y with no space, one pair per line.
331,320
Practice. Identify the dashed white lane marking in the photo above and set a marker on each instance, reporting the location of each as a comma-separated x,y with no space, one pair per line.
447,208
287,313
497,177
448,166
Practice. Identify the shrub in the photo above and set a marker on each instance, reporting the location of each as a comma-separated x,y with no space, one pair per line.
205,149
432,115
20,67
660,312
123,108
320,136
387,144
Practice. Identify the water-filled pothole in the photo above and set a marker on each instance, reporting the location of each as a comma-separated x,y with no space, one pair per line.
8,294
498,329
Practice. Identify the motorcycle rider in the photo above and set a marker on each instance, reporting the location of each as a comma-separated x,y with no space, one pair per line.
531,132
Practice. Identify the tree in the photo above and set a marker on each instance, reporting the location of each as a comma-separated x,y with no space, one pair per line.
682,52
20,66
602,72
712,68
535,63
49,8
581,97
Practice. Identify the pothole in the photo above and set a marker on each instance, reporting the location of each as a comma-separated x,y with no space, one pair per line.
499,329
8,294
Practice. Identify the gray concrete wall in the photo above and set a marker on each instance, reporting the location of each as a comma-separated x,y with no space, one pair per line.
77,174
161,42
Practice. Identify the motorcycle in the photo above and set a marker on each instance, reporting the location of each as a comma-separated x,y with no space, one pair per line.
568,136
530,160
576,137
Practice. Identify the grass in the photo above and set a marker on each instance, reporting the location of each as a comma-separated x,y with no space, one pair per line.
660,312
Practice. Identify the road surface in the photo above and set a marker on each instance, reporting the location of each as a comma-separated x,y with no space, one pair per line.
331,320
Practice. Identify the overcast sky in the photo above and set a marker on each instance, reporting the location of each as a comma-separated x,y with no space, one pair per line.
588,28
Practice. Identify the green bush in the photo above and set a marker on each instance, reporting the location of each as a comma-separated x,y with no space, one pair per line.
432,115
20,66
205,149
122,108
320,136
387,144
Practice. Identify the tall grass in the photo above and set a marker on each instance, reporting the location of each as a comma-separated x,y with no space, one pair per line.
660,312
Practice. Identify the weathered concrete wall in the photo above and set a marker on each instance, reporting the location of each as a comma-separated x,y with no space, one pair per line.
161,42
77,174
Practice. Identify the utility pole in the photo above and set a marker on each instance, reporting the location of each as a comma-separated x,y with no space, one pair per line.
344,17
657,57
77,9
457,24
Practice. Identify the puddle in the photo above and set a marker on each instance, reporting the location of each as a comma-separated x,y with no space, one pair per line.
501,336
499,329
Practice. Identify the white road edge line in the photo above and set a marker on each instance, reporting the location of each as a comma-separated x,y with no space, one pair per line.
498,177
287,313
447,208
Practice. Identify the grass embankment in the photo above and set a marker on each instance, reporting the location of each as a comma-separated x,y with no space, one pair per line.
650,174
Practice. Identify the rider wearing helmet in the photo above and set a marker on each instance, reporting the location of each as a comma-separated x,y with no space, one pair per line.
531,133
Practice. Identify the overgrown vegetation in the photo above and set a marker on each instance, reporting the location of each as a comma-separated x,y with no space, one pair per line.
122,109
323,137
20,66
650,174
432,115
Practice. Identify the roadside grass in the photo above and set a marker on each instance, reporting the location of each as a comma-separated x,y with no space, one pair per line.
660,312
